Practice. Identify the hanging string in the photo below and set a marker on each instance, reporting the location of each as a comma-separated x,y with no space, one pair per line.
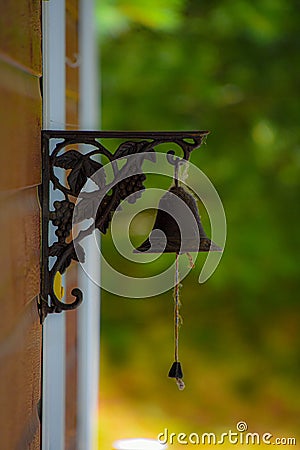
176,171
191,261
177,323
176,371
177,318
184,172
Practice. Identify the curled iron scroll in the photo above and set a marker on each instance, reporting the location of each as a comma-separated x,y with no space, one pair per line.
78,168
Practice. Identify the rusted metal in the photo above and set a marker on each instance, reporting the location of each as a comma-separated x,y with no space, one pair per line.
64,149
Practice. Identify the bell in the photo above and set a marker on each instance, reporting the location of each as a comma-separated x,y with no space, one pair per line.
177,227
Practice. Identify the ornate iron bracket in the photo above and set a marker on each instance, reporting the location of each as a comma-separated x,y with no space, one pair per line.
64,151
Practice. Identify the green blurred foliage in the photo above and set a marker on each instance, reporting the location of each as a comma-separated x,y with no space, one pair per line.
232,68
116,17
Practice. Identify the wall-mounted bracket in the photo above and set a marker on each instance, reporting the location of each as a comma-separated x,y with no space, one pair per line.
74,154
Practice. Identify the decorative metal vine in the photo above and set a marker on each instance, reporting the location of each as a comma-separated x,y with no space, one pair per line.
78,168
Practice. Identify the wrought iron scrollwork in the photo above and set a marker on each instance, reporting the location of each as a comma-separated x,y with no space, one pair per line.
60,151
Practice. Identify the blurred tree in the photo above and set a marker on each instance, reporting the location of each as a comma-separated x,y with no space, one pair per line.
116,17
233,68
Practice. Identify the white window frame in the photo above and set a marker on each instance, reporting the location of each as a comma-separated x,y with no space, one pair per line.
89,311
54,327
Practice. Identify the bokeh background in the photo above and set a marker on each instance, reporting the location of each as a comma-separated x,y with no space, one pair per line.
231,67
